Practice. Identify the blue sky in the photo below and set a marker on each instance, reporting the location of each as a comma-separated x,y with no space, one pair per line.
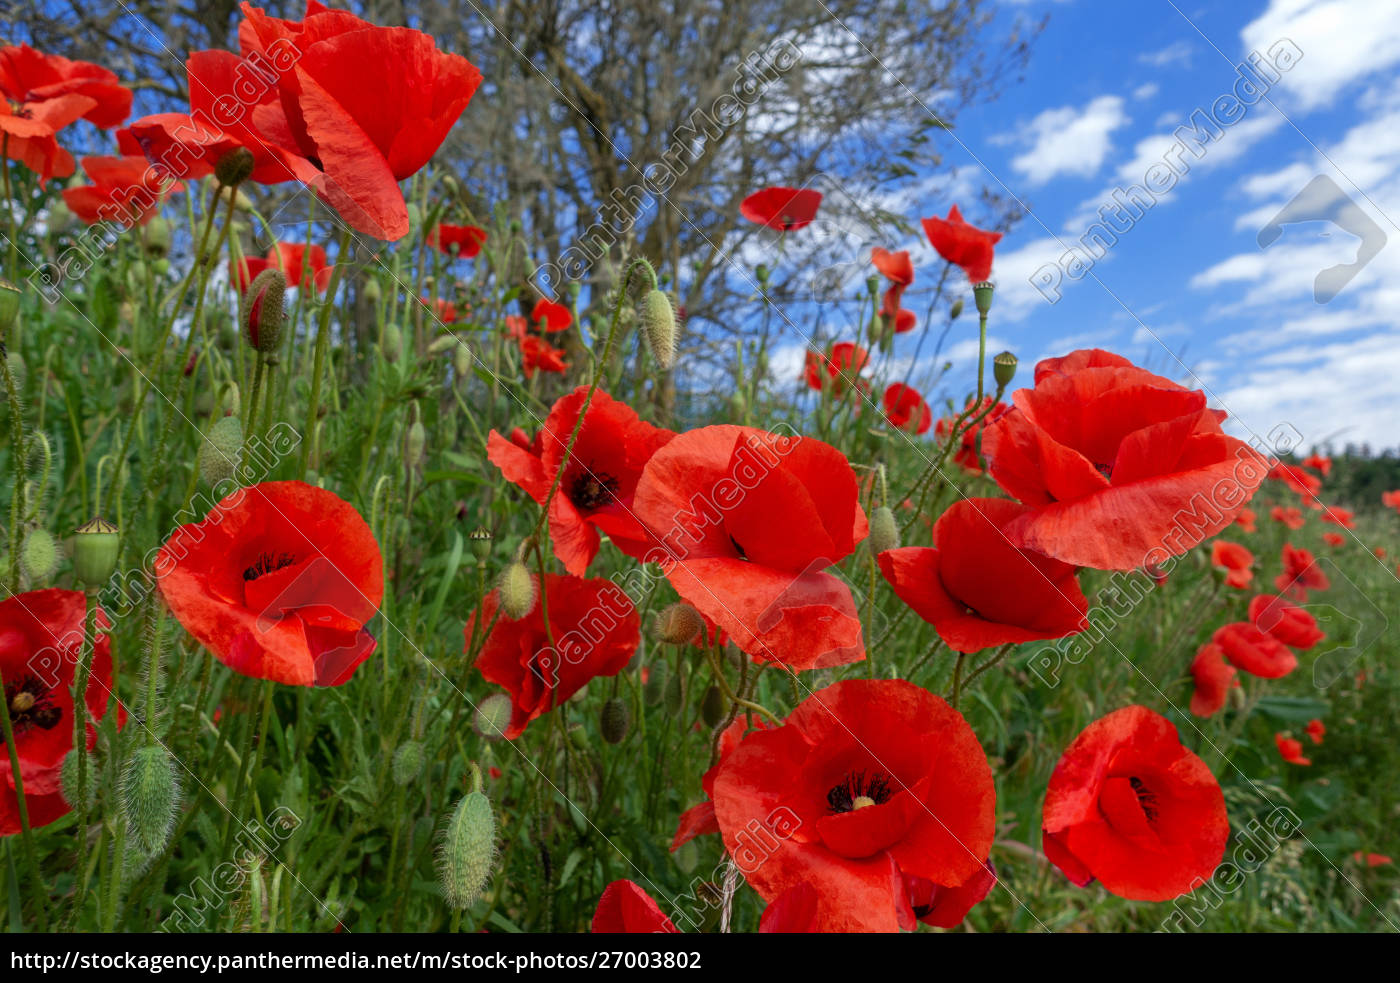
1187,290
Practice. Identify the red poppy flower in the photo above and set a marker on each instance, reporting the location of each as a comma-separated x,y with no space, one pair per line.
1254,651
946,907
1285,621
626,908
1318,463
1214,678
867,782
792,912
1306,485
1235,559
1128,805
41,635
1291,750
699,820
1112,458
368,130
966,455
464,241
897,268
977,589
124,190
846,361
904,405
1290,517
1391,499
278,582
1334,539
538,354
29,76
1371,859
1339,517
962,244
1316,730
595,632
1300,573
599,480
1246,519
29,132
784,209
303,265
747,523
549,316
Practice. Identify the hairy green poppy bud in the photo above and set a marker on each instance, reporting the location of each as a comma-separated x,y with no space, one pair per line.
9,304
761,271
659,326
956,311
393,343
150,795
372,291
468,848
262,313
156,235
39,555
738,405
615,720
674,697
982,295
677,624
654,689
884,532
68,779
1004,369
493,716
461,361
517,591
18,367
480,539
414,439
235,167
408,762
95,552
220,450
712,707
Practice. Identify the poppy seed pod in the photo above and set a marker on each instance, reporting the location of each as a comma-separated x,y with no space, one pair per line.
480,539
492,716
615,720
884,532
678,624
95,552
150,794
235,167
468,849
1004,369
517,590
408,762
982,295
220,450
9,304
659,326
68,780
39,555
262,313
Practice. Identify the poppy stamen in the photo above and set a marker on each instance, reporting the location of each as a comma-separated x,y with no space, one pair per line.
268,563
1146,798
857,791
593,491
31,705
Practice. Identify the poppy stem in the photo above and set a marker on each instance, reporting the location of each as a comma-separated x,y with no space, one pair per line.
17,462
27,834
13,263
80,684
957,680
318,367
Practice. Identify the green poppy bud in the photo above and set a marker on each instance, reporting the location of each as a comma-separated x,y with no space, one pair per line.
674,697
654,689
659,327
712,707
157,236
493,716
956,311
38,556
262,311
393,343
884,532
220,450
9,304
235,167
468,849
517,591
408,762
150,795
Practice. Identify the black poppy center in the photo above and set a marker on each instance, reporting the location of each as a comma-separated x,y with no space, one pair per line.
1147,799
268,563
737,548
31,705
592,490
858,790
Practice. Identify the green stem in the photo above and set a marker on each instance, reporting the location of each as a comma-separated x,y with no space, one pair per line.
318,368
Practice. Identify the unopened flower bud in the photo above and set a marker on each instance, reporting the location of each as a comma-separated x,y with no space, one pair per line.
413,442
393,342
492,716
68,780
956,311
407,763
678,624
517,591
1004,369
150,795
95,552
654,689
712,707
884,532
659,326
9,304
220,450
615,720
468,849
674,697
38,557
157,236
235,167
262,313
372,291
982,295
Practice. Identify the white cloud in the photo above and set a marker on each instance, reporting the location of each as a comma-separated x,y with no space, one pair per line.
1176,53
1146,91
1342,41
1069,140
